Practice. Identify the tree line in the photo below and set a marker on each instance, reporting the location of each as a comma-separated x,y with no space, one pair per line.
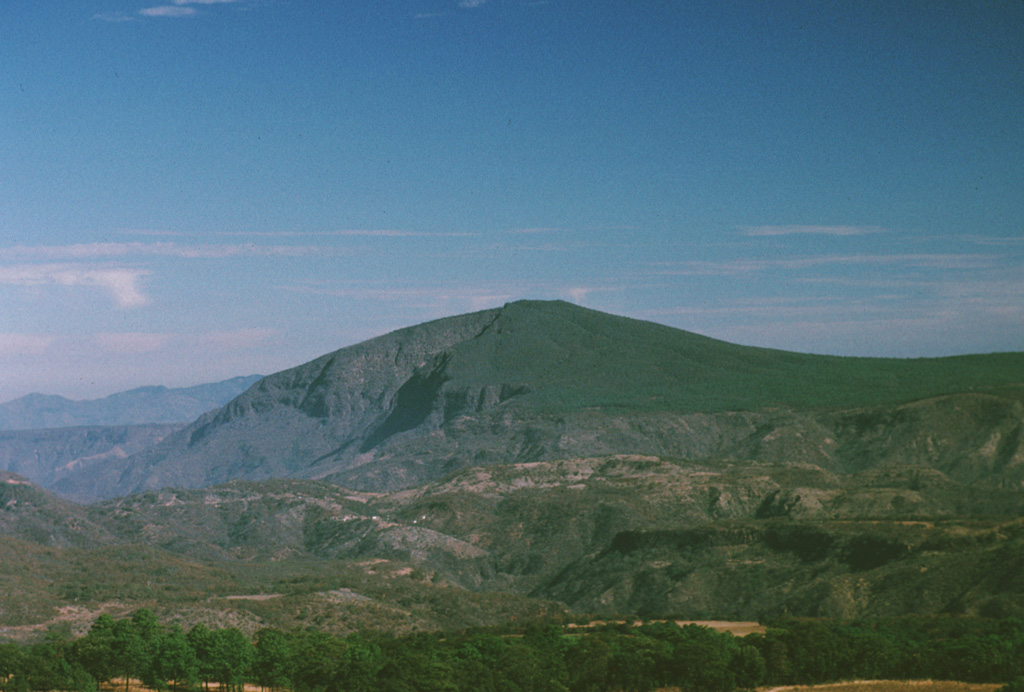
537,658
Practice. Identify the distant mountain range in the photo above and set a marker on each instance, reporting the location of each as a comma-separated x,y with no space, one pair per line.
154,404
537,458
52,441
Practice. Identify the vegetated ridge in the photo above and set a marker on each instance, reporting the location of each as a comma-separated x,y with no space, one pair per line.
527,382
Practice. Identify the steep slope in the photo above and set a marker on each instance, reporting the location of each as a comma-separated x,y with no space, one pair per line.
532,380
136,406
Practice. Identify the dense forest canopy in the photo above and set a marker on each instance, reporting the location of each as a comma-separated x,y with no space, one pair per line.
540,657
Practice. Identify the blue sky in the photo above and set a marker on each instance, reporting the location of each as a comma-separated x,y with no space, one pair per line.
205,188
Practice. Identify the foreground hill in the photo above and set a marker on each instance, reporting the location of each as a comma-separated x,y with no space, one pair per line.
527,382
133,407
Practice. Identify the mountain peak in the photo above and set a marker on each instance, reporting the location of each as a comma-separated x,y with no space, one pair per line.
499,385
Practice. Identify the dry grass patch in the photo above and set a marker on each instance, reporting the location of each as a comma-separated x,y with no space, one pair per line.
736,629
890,686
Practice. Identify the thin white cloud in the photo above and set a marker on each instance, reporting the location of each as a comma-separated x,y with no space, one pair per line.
121,283
810,230
470,4
994,240
578,294
24,344
535,231
393,233
167,11
152,232
159,249
751,266
180,8
355,233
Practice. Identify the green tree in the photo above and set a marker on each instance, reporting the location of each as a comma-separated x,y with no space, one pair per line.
131,655
316,661
95,651
201,639
548,644
702,659
586,664
271,662
748,667
233,657
362,663
634,664
46,667
175,660
1014,686
148,633
416,664
12,666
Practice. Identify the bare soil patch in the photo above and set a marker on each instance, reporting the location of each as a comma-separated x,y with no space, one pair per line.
735,628
890,686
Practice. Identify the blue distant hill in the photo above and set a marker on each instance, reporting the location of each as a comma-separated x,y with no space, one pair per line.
133,407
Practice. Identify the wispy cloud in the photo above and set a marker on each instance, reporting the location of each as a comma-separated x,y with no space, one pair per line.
750,266
167,11
535,231
350,233
994,241
84,251
152,232
122,284
470,4
810,230
24,344
180,8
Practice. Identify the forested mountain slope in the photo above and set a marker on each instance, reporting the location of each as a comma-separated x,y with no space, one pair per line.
529,381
